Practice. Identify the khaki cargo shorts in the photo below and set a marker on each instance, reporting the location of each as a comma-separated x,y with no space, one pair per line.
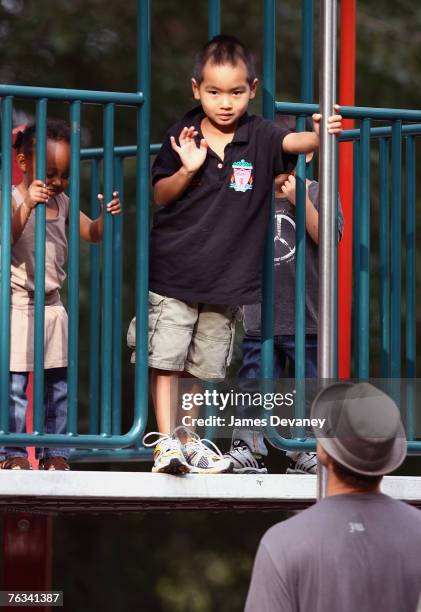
186,336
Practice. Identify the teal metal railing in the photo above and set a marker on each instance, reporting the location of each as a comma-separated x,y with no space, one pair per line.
391,139
104,428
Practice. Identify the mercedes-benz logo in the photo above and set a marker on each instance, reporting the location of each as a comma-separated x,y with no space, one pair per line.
283,250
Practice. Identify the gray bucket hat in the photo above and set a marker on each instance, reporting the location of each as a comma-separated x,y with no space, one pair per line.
363,430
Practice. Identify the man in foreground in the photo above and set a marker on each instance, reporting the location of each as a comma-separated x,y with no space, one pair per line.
357,549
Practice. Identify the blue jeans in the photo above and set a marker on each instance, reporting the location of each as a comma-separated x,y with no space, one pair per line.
55,407
284,350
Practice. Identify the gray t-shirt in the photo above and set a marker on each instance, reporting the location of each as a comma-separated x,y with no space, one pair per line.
346,553
284,263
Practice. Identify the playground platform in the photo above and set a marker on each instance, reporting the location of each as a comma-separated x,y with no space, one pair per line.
114,492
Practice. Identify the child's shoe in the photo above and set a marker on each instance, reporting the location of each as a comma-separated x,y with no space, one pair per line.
301,463
15,463
168,456
53,463
200,458
244,461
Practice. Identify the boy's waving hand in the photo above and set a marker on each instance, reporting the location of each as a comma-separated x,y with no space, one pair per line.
191,156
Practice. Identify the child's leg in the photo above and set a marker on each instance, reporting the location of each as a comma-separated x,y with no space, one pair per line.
251,370
176,343
55,405
164,396
287,343
17,419
171,324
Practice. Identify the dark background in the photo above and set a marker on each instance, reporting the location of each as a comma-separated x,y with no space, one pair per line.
183,562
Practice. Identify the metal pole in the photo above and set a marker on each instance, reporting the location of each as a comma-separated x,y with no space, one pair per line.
142,212
40,225
117,301
214,18
395,256
269,72
74,268
384,256
94,307
107,275
5,254
364,246
327,283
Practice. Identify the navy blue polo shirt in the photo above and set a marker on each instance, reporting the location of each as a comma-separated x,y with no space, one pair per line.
207,246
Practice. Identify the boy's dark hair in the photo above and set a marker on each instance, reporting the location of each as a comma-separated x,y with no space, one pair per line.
57,130
224,49
360,481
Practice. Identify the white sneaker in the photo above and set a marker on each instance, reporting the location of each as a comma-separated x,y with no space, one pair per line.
302,463
200,458
244,461
167,456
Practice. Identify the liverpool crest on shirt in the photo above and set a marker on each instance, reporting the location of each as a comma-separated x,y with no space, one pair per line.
242,175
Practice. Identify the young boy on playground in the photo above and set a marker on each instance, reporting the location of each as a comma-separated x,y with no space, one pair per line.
212,180
248,447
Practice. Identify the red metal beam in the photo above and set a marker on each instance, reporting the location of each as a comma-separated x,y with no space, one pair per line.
347,62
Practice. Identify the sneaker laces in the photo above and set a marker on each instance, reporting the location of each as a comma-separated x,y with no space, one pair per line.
194,439
170,440
239,451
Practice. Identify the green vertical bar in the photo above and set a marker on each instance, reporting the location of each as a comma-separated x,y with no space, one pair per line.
300,261
117,300
142,213
269,68
41,122
6,231
410,270
411,415
300,285
107,269
410,285
364,272
307,55
214,18
395,256
307,59
356,253
94,307
384,255
73,267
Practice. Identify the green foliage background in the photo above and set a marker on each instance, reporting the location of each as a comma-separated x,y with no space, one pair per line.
192,562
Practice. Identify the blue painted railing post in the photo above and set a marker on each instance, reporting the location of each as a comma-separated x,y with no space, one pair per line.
214,18
73,267
142,213
6,194
269,71
41,126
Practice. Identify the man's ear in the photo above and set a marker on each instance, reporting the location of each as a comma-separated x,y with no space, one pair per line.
322,455
195,88
253,88
22,162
